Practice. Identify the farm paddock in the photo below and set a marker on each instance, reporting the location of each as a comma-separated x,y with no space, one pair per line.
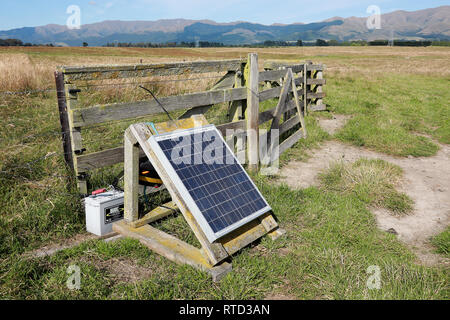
396,102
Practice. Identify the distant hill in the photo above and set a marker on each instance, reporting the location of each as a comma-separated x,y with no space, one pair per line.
417,25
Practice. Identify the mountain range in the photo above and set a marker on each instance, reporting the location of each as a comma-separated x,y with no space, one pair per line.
431,23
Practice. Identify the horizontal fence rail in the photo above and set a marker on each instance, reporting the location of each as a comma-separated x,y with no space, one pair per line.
148,70
243,87
121,111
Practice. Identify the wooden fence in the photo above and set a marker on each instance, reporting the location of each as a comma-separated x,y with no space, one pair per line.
242,86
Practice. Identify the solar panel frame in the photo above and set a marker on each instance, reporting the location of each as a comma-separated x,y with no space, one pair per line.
186,195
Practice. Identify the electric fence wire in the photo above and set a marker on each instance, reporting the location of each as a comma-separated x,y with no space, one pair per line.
26,92
63,133
13,173
28,164
147,82
125,84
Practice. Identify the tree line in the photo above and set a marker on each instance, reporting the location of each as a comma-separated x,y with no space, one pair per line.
19,43
282,43
267,43
183,44
403,43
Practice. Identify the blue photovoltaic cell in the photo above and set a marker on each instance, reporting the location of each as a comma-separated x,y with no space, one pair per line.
222,190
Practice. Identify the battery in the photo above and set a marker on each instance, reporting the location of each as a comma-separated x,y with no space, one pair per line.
102,210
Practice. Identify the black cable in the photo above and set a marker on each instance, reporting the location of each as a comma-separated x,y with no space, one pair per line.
148,201
116,180
162,107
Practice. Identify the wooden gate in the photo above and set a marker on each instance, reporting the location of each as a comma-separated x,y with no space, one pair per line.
243,86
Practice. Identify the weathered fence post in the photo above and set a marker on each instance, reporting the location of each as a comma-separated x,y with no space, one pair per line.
131,180
319,89
63,117
252,111
75,138
306,87
237,109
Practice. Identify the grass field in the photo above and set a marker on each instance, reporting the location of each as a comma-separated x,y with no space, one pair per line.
398,99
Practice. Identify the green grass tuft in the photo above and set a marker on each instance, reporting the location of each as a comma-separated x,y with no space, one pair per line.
371,181
442,242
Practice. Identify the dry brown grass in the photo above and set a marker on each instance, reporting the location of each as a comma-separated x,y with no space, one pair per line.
31,68
19,73
107,91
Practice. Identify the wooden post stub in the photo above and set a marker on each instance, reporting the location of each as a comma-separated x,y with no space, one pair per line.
63,118
252,112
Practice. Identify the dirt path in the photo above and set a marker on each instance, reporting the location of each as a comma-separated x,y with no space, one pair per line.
333,125
426,181
53,248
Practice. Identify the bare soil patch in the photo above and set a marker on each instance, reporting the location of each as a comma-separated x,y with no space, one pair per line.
120,269
333,125
426,181
53,248
279,296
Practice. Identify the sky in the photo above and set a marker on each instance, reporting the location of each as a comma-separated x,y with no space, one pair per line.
32,13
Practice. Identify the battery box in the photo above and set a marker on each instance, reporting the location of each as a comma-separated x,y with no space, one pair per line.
102,210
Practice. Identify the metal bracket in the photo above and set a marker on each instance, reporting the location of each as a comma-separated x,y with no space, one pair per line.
80,151
73,91
82,176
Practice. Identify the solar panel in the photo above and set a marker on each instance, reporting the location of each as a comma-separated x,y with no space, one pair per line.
214,185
